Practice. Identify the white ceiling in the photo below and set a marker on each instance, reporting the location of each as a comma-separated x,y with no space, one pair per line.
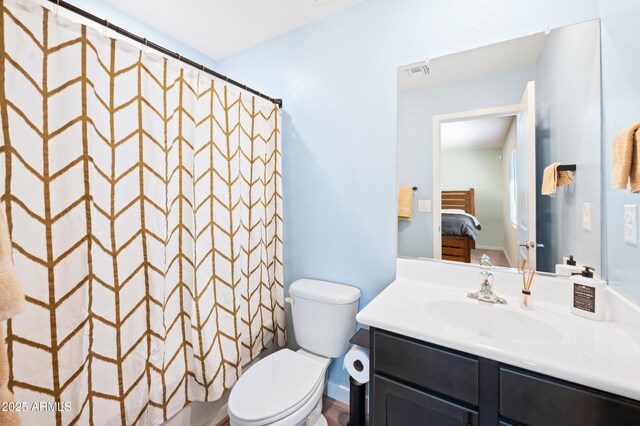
219,28
481,133
510,54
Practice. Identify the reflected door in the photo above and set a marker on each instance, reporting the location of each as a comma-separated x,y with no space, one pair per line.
525,172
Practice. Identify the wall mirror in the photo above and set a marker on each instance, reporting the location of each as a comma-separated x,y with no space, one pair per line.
476,132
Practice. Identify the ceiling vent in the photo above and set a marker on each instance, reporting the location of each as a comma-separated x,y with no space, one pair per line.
419,69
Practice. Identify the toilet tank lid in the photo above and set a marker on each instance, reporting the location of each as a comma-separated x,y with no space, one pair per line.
324,291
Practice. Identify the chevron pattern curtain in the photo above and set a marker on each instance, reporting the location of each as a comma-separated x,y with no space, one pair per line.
144,202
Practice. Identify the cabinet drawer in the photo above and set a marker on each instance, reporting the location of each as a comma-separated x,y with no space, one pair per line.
400,405
447,373
537,400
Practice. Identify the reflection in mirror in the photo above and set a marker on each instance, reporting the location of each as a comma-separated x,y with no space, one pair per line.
499,152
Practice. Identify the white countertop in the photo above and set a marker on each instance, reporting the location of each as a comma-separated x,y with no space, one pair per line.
548,339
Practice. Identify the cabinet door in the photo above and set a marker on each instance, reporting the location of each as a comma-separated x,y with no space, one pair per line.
396,404
436,369
535,400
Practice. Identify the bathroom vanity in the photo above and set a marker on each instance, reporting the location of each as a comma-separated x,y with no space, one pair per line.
417,383
438,357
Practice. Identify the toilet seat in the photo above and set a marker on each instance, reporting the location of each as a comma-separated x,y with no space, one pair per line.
275,387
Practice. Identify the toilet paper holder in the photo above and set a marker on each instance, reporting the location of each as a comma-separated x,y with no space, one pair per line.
361,338
357,390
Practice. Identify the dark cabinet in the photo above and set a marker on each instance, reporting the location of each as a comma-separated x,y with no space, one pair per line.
400,405
417,383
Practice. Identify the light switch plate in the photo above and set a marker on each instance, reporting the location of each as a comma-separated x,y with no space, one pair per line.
424,206
586,216
631,224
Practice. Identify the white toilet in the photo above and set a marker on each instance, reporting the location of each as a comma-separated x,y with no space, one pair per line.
286,388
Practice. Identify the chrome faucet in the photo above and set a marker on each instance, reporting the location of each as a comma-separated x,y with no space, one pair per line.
485,293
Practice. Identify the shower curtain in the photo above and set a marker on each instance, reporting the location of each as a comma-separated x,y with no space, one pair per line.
144,203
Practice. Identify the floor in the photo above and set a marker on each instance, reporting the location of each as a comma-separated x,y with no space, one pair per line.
336,412
497,257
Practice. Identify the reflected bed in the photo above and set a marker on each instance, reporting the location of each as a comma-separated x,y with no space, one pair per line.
459,225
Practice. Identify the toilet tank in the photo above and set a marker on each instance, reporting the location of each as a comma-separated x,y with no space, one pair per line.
324,316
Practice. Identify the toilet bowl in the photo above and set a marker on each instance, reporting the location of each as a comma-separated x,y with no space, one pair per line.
286,387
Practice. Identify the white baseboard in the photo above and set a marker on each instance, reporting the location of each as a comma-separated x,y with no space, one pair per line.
341,393
502,249
338,392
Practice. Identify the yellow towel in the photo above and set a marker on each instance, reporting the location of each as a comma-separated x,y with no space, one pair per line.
11,303
564,178
11,296
626,159
552,179
405,202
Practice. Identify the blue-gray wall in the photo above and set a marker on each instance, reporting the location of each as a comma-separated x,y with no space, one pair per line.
338,80
415,109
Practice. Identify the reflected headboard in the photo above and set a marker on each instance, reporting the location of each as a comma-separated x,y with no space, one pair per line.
464,200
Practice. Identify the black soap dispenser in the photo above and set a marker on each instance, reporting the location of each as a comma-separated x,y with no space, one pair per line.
568,268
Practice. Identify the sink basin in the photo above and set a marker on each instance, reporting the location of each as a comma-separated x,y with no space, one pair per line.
492,321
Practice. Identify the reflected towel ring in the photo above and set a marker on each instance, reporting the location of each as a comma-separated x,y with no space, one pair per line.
566,168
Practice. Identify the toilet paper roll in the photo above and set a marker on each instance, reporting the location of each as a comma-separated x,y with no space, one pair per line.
356,361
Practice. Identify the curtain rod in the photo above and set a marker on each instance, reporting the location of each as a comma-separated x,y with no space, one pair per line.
105,23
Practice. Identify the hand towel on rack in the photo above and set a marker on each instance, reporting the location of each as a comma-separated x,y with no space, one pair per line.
405,202
626,159
11,303
552,179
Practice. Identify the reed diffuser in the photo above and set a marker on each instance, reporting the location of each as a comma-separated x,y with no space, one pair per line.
526,300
